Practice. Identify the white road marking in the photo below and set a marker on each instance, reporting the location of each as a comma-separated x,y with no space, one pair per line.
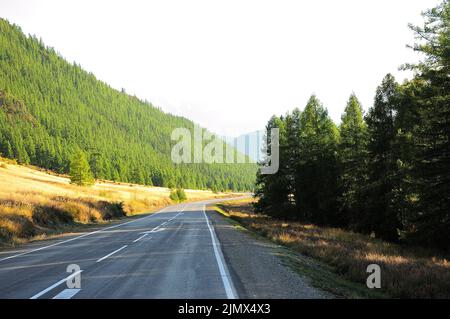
157,228
81,236
223,269
43,292
154,230
136,240
67,294
110,254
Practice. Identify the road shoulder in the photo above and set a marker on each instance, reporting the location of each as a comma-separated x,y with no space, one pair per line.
259,267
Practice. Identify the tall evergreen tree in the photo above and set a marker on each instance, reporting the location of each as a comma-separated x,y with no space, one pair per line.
380,215
9,151
273,189
352,159
291,151
80,172
428,220
316,175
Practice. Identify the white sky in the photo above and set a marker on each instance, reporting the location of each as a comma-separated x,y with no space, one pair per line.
230,65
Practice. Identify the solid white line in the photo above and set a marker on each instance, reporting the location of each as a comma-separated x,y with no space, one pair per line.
115,251
223,269
163,224
81,236
67,294
43,292
136,240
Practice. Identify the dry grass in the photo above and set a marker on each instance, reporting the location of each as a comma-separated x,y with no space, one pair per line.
34,202
406,272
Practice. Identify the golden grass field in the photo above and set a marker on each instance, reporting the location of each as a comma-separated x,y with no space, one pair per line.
35,203
406,272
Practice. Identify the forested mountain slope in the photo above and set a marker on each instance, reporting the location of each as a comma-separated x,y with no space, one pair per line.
49,108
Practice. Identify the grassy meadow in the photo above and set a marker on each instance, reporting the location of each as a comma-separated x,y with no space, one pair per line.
35,203
406,272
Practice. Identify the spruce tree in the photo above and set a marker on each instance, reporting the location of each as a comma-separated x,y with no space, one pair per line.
9,150
380,215
80,171
428,219
316,175
352,155
273,189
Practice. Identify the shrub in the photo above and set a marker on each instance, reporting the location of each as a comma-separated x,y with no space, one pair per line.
181,195
178,195
174,195
112,210
50,216
15,226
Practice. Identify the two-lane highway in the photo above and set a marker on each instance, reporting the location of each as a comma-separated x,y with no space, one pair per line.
180,252
174,253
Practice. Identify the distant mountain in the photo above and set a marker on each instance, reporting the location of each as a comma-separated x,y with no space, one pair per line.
49,108
250,144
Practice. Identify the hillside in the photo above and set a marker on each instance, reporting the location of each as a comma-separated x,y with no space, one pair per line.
49,108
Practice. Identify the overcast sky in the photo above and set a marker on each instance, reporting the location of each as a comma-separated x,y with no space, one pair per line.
230,65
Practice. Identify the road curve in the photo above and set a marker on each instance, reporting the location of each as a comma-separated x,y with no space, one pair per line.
175,253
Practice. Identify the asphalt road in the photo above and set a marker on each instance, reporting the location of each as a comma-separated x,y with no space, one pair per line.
175,253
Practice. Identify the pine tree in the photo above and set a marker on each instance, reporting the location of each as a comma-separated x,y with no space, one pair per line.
428,219
115,175
97,164
138,175
316,175
380,215
272,190
80,172
290,153
9,150
352,156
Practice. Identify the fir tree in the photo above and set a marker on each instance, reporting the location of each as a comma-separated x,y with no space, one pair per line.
352,156
80,172
380,215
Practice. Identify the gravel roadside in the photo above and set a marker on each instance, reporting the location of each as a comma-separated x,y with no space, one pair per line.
256,266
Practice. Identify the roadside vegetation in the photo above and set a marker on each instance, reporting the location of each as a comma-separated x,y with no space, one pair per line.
385,173
406,271
35,204
80,171
178,195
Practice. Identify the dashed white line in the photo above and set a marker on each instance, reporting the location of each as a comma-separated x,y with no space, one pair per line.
67,293
81,236
43,292
223,269
110,254
136,240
